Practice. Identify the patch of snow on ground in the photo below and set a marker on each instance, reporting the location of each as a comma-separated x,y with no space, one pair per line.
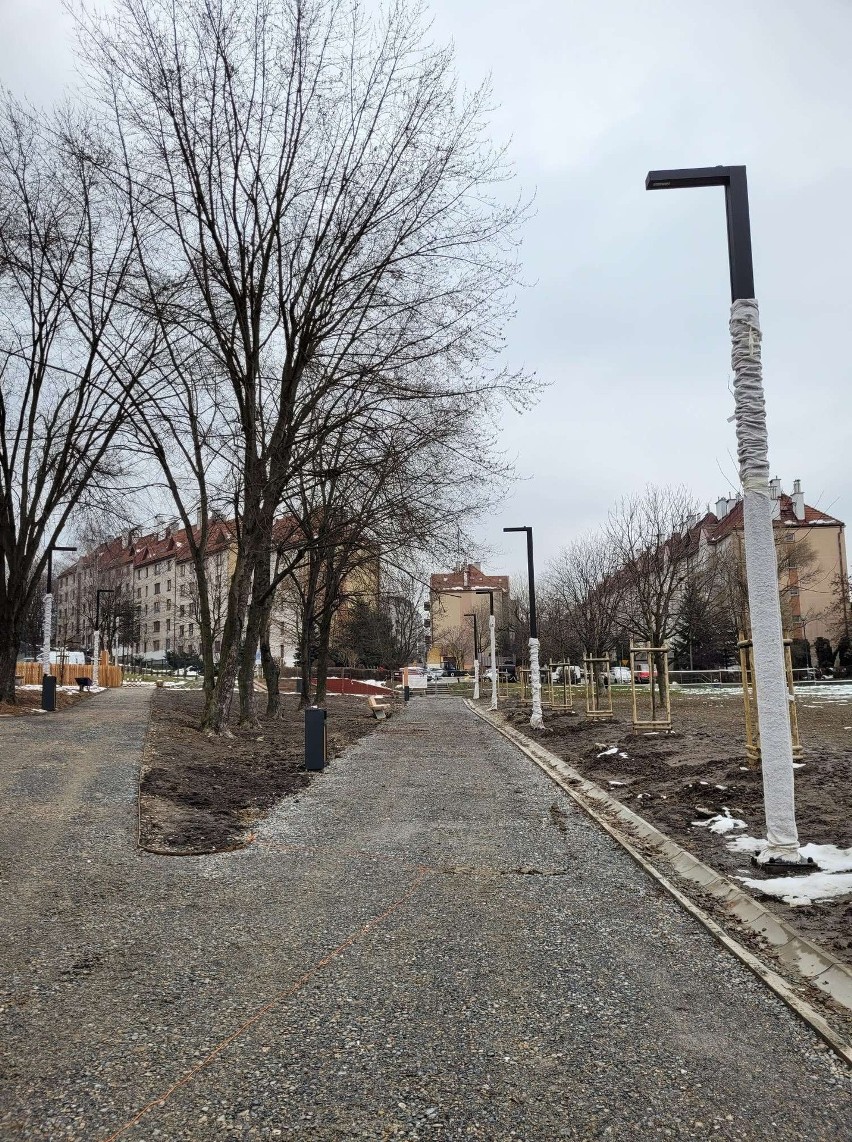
747,844
722,823
828,858
609,752
803,890
616,783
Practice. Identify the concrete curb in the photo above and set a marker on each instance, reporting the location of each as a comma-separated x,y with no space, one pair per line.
814,964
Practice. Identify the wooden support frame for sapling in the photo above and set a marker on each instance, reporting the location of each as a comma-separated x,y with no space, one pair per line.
658,667
749,685
593,668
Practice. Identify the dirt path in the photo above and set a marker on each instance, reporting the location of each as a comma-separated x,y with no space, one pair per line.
429,941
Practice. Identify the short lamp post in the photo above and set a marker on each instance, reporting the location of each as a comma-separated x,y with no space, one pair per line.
536,719
472,615
96,641
773,711
492,638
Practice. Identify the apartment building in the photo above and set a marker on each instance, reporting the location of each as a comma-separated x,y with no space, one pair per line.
452,596
812,564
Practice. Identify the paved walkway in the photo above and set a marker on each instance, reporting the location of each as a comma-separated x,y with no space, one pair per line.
430,942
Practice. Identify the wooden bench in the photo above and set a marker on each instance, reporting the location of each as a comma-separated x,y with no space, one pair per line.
380,706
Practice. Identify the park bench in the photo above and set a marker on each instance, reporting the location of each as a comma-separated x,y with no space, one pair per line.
380,707
84,683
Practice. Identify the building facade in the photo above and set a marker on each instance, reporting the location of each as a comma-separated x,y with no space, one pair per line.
456,594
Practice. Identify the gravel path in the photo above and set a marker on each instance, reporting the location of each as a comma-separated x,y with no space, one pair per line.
430,942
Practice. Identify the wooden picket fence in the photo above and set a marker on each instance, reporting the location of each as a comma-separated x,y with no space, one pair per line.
68,673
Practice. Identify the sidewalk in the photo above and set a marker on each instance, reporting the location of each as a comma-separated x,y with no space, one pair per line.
430,942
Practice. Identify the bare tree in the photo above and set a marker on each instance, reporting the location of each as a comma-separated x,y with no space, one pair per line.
70,350
649,535
584,590
319,201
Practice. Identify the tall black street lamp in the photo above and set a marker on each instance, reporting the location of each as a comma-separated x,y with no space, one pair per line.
761,563
48,682
536,719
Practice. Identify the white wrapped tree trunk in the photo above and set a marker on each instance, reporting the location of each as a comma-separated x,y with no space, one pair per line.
476,679
536,719
47,623
773,712
492,635
96,655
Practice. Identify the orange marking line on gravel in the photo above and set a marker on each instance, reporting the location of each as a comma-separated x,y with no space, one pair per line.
297,986
275,846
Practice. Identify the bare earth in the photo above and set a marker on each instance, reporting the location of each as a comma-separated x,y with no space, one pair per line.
701,765
203,795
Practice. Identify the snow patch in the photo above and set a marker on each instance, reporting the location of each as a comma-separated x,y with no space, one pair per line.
803,890
721,823
609,752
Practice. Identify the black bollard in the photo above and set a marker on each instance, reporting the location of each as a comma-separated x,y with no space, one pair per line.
48,692
315,738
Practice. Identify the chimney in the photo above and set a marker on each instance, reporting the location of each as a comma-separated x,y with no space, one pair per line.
732,503
466,575
722,508
798,500
775,496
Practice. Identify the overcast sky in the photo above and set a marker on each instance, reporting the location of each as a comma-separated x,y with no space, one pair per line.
626,314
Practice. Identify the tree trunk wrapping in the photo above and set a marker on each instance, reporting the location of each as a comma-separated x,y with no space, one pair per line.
536,719
48,623
96,652
492,635
773,712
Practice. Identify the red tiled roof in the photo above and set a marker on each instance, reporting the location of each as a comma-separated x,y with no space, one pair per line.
733,521
455,580
154,546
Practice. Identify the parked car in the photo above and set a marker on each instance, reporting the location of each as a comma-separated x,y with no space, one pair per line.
619,675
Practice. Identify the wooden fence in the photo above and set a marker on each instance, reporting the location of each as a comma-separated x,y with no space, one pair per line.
68,673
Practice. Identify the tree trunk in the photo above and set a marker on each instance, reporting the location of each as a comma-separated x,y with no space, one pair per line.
324,639
9,647
271,671
256,621
216,714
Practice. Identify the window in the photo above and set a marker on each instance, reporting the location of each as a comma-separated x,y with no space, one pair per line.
182,570
156,644
168,584
156,628
146,590
182,609
138,592
168,643
156,588
180,632
191,628
168,625
168,604
156,608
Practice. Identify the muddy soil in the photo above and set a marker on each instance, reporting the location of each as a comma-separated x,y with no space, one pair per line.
699,769
202,795
28,700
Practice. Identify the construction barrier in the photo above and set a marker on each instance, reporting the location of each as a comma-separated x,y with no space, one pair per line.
67,673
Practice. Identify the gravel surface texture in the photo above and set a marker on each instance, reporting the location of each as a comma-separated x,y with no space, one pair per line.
430,942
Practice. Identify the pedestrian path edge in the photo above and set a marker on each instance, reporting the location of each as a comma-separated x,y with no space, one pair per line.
815,965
